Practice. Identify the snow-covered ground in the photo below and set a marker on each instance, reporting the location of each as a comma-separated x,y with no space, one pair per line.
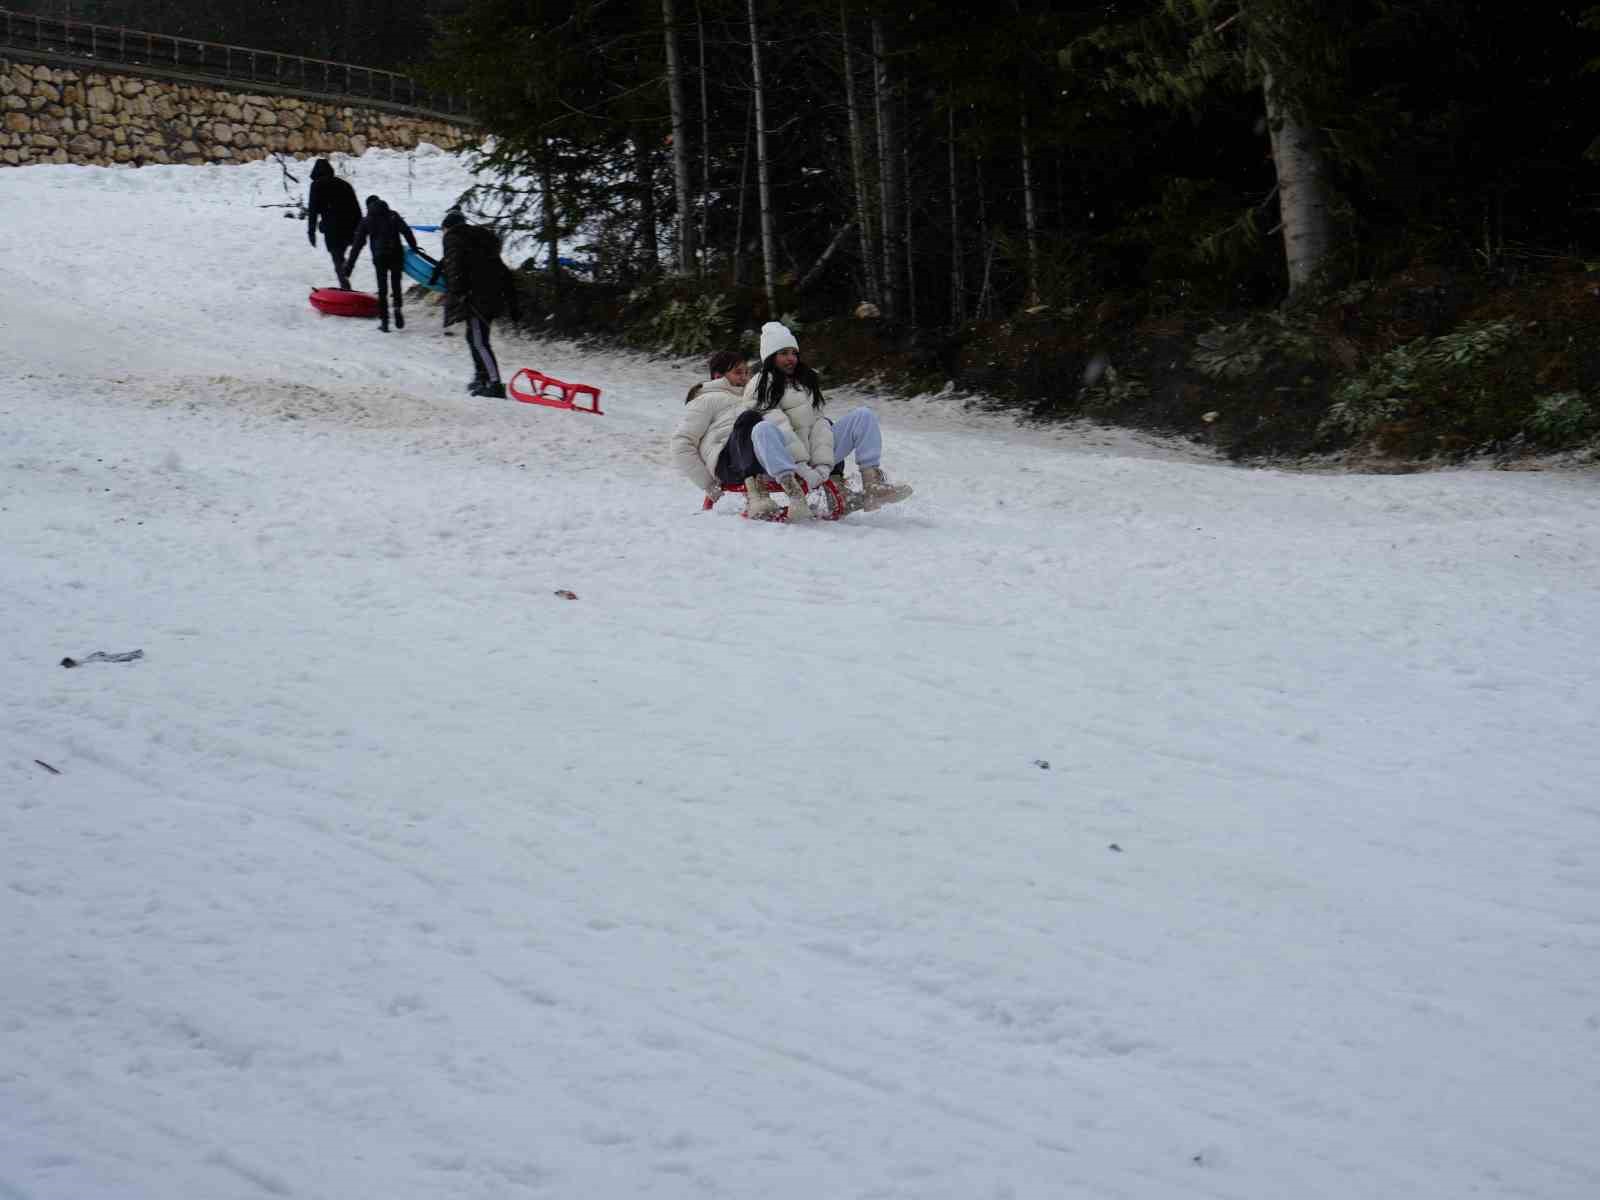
388,872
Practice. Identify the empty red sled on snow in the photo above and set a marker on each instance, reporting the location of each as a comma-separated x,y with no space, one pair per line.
535,387
337,302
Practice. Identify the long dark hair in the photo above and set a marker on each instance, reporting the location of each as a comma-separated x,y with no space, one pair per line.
772,383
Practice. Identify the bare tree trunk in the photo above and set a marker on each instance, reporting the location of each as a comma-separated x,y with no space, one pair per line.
763,174
744,190
684,217
1302,191
547,211
705,143
834,243
649,241
958,289
911,261
1060,161
888,168
985,295
985,241
1030,210
858,168
347,36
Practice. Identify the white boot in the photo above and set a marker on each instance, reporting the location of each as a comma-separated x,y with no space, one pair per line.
758,506
878,491
799,510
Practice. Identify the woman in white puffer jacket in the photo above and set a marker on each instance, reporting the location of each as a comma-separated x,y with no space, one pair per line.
709,412
806,444
701,442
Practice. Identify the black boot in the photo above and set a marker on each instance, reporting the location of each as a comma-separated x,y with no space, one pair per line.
399,318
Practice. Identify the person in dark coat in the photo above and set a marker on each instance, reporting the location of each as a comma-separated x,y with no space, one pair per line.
478,287
333,202
384,230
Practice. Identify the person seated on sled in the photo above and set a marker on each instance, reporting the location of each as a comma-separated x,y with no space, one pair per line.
793,440
701,442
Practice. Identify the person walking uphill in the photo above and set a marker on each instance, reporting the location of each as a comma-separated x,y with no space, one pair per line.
794,440
333,202
478,287
384,230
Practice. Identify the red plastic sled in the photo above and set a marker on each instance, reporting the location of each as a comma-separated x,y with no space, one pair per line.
830,488
337,302
535,387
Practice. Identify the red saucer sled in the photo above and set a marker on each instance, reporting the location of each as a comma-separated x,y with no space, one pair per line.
831,492
337,302
535,387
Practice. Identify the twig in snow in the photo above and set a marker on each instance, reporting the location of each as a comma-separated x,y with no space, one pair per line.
102,656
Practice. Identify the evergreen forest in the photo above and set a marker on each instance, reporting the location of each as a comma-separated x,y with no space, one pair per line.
1288,227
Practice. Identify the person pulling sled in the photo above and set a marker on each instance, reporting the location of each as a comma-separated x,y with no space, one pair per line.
478,287
384,230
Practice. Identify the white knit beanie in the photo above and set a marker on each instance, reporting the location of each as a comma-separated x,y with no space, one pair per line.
775,336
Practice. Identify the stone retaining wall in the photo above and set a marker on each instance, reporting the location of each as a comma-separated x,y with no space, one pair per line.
66,114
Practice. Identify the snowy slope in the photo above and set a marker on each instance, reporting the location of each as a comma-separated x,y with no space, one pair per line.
390,873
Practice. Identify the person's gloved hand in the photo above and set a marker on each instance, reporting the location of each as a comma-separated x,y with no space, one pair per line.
311,235
810,474
714,492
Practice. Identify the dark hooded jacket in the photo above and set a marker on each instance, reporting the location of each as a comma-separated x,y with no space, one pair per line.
334,202
384,229
474,275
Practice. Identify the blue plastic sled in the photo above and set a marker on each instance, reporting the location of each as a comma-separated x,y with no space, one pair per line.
419,266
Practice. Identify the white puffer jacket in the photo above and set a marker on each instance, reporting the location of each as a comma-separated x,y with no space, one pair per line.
707,424
808,433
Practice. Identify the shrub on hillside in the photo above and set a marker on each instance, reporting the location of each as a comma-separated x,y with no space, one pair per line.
1451,370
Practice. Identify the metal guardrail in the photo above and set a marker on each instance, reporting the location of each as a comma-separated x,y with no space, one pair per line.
113,46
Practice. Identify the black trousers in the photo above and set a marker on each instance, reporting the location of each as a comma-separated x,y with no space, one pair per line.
337,251
390,271
738,460
484,365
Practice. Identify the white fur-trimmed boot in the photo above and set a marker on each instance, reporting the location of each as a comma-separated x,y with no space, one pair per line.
799,510
876,491
758,506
